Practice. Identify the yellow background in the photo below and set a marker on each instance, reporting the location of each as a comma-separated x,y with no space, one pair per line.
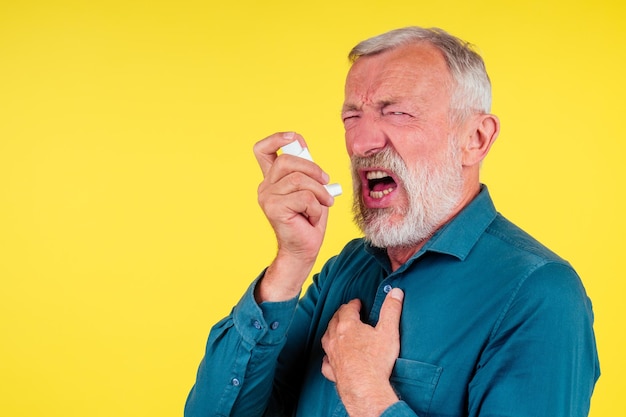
128,217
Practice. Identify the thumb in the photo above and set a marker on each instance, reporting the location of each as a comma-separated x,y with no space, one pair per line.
391,311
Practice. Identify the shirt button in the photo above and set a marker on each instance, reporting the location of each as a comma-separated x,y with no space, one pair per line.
235,382
257,324
387,288
274,325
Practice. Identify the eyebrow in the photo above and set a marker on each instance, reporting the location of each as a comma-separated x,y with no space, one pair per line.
380,104
350,107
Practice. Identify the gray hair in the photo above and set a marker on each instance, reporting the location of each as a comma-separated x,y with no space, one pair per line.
472,90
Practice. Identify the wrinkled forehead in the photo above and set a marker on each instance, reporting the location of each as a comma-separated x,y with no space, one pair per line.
416,69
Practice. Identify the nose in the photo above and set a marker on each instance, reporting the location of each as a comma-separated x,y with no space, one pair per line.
365,137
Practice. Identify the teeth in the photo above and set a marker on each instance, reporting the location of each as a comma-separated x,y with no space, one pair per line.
376,175
380,194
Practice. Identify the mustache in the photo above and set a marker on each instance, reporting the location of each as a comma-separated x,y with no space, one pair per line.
387,159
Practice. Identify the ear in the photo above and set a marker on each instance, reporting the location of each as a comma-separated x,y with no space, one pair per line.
482,132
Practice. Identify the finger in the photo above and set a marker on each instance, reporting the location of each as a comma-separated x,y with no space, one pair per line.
346,312
391,311
296,181
266,150
285,164
327,369
354,306
286,208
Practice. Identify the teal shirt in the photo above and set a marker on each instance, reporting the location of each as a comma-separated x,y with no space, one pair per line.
493,324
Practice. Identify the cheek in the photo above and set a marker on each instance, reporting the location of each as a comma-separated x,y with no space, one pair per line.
349,137
411,150
418,148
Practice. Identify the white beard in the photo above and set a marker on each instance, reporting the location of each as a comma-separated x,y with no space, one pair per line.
434,190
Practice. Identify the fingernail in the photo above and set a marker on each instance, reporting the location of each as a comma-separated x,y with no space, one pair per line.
325,177
289,135
397,293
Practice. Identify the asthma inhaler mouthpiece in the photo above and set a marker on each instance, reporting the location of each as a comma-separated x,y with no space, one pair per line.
334,189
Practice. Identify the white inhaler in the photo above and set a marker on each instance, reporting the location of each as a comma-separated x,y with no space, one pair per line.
294,148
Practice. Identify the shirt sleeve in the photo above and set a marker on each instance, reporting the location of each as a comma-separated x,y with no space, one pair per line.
541,358
399,409
236,373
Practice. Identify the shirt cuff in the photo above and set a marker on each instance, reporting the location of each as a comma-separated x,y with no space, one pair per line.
399,409
266,323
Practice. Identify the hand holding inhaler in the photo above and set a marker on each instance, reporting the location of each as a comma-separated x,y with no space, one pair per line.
294,148
297,215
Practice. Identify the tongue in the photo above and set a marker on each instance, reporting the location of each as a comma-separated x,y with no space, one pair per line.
379,187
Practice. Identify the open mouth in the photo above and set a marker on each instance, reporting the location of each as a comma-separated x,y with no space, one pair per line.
380,184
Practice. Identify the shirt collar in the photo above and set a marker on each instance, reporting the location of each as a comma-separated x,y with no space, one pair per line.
458,236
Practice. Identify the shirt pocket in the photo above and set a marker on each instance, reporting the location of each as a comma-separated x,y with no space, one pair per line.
415,383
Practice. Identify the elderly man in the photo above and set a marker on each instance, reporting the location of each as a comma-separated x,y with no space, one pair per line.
444,308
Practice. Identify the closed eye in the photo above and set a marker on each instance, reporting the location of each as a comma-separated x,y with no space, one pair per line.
349,118
397,113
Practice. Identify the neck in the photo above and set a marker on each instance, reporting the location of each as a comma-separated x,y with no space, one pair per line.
399,255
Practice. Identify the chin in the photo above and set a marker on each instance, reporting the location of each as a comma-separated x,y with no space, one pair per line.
383,231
